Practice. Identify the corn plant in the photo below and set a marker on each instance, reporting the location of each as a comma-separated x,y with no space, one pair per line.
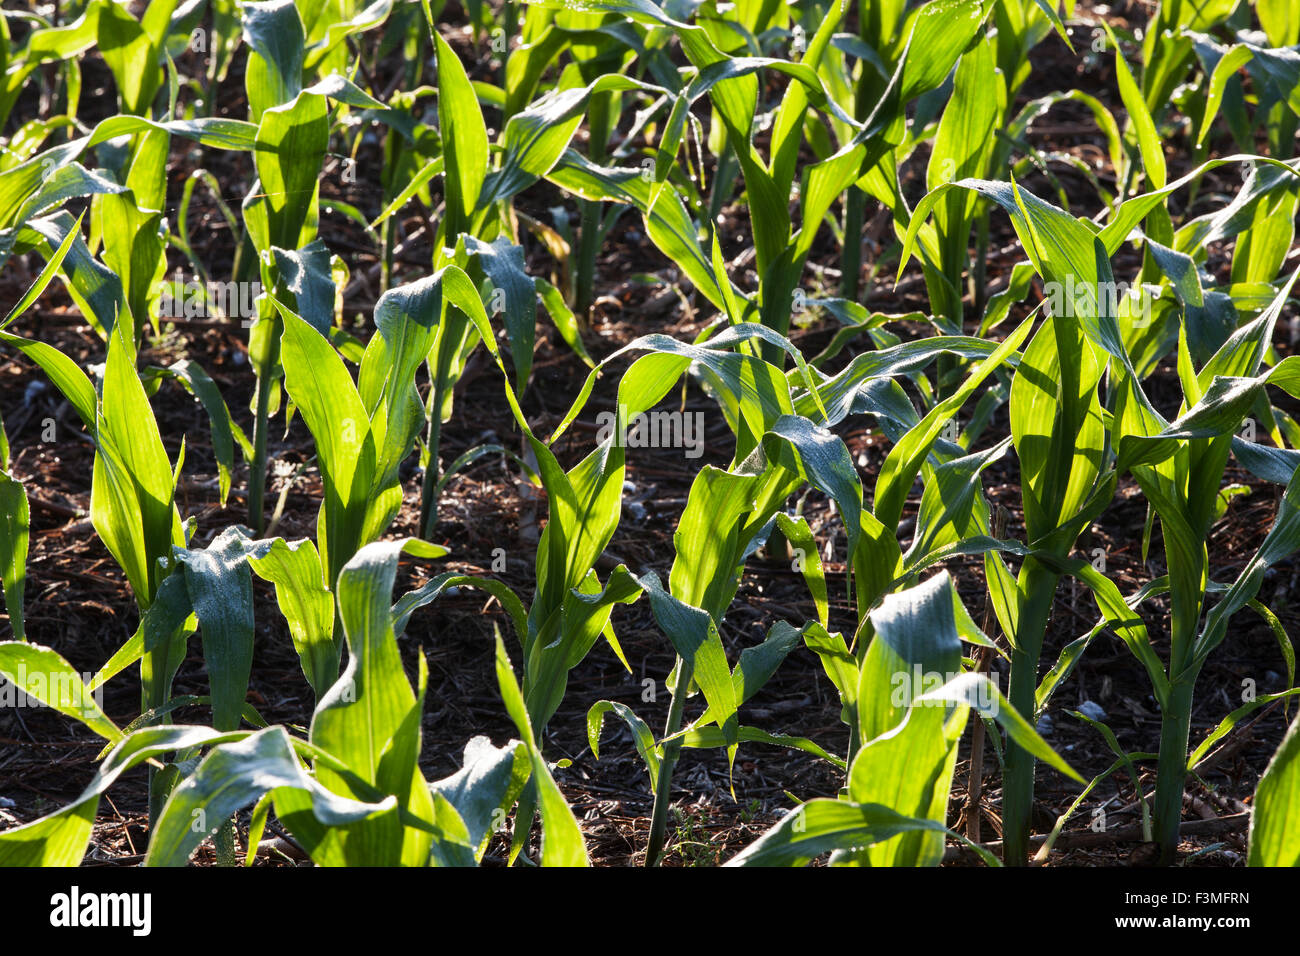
730,512
364,745
363,431
474,234
351,794
798,115
911,702
781,250
1058,434
1272,74
1176,480
1065,450
133,511
598,48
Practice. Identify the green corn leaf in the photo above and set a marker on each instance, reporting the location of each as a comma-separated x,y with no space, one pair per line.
43,675
708,540
1263,461
43,280
701,738
1282,540
210,131
440,583
808,563
71,181
562,843
566,323
274,32
131,498
236,775
1226,725
369,720
307,283
1231,61
757,664
824,825
95,289
1274,835
1149,142
220,587
132,54
840,666
667,223
855,389
535,139
1056,426
905,760
485,786
419,181
374,689
307,605
694,636
980,693
822,459
915,630
953,507
15,525
563,640
1284,644
642,737
322,390
465,142
504,264
61,838
288,152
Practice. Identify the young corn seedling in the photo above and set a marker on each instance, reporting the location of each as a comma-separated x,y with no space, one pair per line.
363,748
953,519
1182,487
131,503
608,55
781,250
1179,467
911,699
351,794
281,212
1272,74
1068,475
476,233
363,430
132,509
730,512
